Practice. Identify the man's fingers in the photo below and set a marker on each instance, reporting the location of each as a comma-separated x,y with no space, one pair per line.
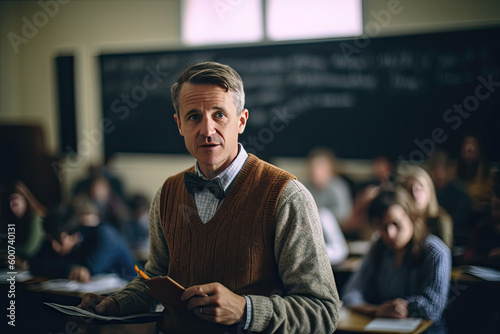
198,290
107,306
90,301
200,301
99,304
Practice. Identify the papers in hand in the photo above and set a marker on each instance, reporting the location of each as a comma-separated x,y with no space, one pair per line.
407,325
76,311
100,284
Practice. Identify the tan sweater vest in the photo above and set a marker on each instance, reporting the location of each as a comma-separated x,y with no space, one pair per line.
235,247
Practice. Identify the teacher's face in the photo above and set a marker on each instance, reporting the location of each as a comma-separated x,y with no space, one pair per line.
207,119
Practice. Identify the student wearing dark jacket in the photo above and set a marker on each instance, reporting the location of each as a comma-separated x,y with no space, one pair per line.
78,246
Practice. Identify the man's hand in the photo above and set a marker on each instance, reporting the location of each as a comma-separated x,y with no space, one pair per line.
397,308
214,302
99,304
80,274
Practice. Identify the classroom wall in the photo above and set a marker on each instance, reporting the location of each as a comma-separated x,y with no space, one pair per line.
87,28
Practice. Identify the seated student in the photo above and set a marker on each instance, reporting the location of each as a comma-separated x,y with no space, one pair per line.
484,246
20,207
419,184
451,195
406,273
137,229
328,188
78,246
475,171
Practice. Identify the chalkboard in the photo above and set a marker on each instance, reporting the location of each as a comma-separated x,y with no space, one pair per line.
362,97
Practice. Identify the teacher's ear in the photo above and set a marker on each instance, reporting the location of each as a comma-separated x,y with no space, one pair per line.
243,117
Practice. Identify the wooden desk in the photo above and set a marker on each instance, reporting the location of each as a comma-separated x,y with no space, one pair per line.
350,321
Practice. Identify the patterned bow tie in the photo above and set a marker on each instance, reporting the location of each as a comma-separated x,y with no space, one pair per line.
195,184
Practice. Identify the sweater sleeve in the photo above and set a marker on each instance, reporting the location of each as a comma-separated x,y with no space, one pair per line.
432,295
134,298
309,302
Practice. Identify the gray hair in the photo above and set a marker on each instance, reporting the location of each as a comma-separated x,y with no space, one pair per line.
211,73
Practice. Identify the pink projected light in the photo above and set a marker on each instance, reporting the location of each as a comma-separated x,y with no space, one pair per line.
221,21
299,19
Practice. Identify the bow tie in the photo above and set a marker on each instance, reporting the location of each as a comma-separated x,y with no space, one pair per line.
195,184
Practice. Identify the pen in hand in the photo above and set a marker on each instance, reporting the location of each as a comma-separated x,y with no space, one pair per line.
140,272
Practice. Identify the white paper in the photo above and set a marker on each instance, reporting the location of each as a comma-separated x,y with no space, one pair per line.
487,274
76,311
100,284
20,275
407,325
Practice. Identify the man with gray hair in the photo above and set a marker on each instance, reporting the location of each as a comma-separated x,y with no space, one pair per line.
242,236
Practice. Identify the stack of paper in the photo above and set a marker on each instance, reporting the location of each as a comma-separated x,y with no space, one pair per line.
407,325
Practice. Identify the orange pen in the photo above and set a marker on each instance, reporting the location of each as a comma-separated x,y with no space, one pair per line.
140,272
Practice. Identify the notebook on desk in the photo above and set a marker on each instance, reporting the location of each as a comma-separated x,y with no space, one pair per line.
407,325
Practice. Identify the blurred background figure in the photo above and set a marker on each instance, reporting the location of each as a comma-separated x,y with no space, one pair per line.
419,184
106,190
329,189
474,171
407,270
357,226
336,245
79,245
451,195
21,208
476,309
137,228
96,171
484,246
112,208
383,173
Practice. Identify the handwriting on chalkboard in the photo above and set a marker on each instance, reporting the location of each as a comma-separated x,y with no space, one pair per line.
334,101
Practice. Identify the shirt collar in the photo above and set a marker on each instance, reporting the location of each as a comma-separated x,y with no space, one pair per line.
229,174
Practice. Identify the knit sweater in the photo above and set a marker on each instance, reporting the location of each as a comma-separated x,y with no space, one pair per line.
308,302
235,247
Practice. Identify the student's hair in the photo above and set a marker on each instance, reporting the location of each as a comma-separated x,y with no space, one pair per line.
417,173
211,73
59,220
399,196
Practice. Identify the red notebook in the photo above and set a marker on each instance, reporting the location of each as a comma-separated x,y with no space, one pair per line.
167,291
